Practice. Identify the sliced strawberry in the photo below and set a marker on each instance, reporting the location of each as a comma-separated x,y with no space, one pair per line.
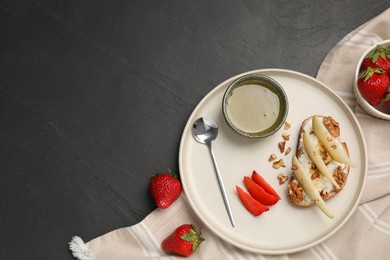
259,193
252,205
264,184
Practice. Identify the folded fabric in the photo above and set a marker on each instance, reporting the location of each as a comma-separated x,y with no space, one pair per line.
365,236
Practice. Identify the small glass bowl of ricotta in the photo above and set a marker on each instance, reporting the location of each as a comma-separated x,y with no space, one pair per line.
255,106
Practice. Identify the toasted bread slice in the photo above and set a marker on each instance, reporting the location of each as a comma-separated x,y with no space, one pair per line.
340,171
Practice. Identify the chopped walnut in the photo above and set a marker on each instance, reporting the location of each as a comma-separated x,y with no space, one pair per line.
282,178
288,150
287,125
324,194
326,158
272,157
296,191
325,155
332,126
294,167
278,164
286,136
315,174
282,146
340,176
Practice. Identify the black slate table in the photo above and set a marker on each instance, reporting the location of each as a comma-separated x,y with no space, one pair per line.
94,96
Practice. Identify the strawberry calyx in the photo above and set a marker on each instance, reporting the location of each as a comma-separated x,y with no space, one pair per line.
387,94
380,51
193,236
367,73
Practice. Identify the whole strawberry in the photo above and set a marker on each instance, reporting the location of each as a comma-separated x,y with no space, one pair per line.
378,58
165,189
184,240
372,84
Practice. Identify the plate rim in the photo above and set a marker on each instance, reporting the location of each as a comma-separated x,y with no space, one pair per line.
267,251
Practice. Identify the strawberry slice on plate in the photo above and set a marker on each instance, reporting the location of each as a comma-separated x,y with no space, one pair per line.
252,205
259,193
264,184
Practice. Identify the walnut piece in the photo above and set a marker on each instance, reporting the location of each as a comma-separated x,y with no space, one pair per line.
340,176
286,136
282,146
282,178
278,164
332,126
296,191
324,155
324,194
315,174
272,157
287,125
288,150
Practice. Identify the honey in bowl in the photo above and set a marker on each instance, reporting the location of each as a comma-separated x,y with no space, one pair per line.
255,106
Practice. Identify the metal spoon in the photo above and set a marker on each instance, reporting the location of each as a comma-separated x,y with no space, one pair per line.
205,130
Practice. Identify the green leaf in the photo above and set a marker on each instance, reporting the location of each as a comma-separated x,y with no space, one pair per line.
387,98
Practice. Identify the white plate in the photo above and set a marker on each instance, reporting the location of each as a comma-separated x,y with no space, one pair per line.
284,228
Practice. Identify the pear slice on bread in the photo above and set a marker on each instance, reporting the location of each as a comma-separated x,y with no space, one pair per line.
325,171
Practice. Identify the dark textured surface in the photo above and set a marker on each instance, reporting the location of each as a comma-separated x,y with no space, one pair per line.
94,96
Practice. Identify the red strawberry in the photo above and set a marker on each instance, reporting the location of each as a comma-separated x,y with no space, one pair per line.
165,189
252,205
378,58
184,240
372,84
258,193
387,98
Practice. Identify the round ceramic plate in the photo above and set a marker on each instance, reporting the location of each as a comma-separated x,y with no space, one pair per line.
284,228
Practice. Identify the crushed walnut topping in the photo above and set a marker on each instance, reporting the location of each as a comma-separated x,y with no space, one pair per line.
294,167
282,146
340,176
332,126
287,125
324,194
324,155
286,136
288,150
296,191
315,174
278,164
282,178
272,157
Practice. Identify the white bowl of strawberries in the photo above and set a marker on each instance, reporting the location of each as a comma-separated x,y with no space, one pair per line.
372,80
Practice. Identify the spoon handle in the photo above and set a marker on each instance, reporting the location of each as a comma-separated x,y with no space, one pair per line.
222,186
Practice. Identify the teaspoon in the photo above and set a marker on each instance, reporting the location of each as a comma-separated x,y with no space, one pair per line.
205,130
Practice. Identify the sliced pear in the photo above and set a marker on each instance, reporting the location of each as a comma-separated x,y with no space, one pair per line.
315,157
304,179
332,145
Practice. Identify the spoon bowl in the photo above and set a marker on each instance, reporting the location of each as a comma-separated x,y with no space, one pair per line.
205,130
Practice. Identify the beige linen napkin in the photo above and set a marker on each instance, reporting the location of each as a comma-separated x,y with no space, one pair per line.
365,236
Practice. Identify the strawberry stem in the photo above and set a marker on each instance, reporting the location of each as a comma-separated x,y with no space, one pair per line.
367,73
